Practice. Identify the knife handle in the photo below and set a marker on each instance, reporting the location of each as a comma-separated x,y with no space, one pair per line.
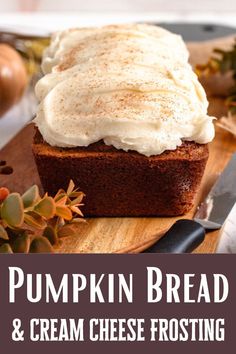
183,237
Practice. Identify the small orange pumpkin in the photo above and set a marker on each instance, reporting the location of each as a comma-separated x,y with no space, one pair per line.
13,77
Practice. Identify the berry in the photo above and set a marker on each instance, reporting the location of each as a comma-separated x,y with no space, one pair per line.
4,192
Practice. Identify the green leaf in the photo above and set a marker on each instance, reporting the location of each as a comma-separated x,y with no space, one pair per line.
21,244
31,196
6,248
3,233
35,220
64,212
41,245
12,211
46,207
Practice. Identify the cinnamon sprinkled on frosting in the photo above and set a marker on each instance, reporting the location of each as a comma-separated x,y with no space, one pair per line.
130,85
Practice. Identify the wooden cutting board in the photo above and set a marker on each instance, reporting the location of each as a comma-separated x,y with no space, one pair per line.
105,235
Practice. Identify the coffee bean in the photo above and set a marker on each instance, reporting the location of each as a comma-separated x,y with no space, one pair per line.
6,170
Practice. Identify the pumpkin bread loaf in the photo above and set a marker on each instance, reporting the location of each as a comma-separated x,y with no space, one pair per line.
122,114
120,183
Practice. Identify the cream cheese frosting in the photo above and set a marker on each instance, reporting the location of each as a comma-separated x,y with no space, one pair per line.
128,85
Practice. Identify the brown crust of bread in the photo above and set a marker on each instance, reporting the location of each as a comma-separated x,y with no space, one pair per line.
119,183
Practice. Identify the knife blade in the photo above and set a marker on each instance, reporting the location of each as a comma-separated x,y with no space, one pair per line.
227,240
213,211
185,235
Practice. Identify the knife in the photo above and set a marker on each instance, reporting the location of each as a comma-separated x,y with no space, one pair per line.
185,235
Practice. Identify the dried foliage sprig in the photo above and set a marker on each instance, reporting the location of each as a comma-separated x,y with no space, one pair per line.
222,62
33,224
228,123
29,47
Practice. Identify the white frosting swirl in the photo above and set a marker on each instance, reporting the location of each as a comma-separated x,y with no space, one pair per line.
130,85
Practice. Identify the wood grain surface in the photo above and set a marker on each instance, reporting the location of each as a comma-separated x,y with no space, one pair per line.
128,235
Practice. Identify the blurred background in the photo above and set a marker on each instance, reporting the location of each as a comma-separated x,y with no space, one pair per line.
49,15
183,6
22,21
26,25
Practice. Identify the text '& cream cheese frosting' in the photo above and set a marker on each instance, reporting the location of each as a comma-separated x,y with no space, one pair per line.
128,85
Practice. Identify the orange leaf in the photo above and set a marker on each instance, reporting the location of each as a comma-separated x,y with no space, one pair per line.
46,207
63,212
70,187
76,210
78,200
61,193
61,201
